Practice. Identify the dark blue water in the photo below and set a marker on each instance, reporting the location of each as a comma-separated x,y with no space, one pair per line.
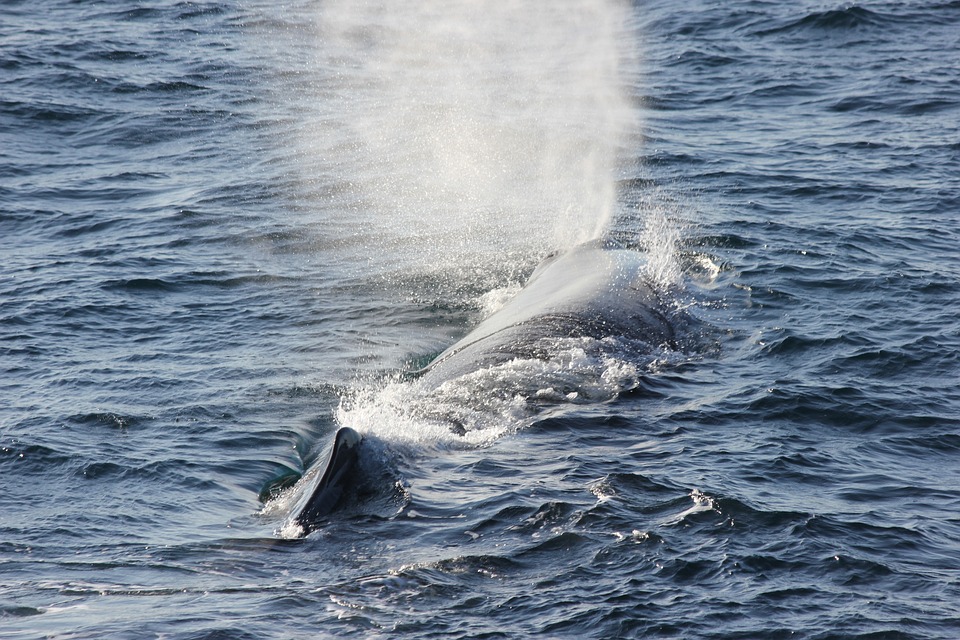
226,228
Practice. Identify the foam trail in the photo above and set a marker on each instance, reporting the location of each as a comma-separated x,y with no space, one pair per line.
474,130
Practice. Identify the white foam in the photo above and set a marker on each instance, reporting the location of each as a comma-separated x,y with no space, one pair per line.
476,409
493,300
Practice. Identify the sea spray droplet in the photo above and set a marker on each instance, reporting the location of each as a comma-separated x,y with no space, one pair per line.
476,130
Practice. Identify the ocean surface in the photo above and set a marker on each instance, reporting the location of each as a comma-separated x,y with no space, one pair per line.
229,227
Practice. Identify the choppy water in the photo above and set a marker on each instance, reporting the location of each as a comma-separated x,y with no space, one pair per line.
227,227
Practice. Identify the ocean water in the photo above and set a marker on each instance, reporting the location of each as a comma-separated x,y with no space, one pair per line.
228,228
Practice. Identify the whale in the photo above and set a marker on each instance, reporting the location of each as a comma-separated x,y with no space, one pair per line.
595,290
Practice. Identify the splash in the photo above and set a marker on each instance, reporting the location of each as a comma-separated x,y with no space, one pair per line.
660,236
478,408
471,132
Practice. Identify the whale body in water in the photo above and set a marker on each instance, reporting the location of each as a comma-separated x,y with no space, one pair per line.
593,291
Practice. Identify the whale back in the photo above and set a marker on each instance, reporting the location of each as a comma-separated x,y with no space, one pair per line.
590,291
